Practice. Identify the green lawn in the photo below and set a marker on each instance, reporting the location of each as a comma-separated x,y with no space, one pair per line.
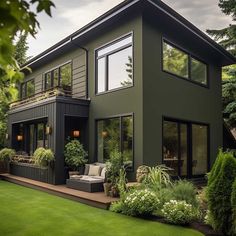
27,212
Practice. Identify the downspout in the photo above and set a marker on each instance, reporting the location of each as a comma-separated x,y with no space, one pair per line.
86,62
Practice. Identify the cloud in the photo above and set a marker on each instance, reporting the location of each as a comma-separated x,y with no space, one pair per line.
70,15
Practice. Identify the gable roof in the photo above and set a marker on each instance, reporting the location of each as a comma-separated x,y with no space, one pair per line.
119,11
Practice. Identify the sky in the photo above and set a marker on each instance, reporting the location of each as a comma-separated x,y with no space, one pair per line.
71,15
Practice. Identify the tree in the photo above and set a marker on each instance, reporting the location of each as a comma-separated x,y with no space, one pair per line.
21,48
227,36
16,18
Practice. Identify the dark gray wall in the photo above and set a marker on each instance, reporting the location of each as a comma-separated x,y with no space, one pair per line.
123,101
168,95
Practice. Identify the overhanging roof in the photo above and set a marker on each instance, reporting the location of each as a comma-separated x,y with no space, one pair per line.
120,11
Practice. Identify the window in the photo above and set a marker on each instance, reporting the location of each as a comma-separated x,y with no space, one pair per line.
27,89
185,148
114,65
115,134
182,64
59,77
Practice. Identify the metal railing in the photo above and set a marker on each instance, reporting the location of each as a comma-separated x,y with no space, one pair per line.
52,92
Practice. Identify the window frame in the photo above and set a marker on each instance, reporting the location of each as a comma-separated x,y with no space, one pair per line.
189,124
190,57
120,116
25,96
106,55
51,71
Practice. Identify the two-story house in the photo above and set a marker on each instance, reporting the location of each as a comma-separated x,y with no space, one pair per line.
139,78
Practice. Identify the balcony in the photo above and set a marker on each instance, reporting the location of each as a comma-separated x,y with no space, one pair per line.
52,92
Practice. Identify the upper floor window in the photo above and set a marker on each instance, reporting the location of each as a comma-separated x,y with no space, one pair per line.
114,65
182,64
27,89
59,77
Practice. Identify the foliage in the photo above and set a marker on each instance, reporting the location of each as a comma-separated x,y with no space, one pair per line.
75,155
219,192
43,156
178,212
113,167
6,154
158,177
121,183
185,190
233,204
137,203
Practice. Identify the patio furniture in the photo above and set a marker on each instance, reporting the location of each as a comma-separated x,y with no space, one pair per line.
91,181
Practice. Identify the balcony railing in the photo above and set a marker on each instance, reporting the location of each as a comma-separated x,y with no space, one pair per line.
52,92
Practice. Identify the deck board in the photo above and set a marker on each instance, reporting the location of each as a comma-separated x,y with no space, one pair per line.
93,199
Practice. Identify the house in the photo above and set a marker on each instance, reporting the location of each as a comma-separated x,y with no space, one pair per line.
139,78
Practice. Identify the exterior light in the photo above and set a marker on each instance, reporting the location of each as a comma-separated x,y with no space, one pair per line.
48,130
7,136
19,137
76,133
104,134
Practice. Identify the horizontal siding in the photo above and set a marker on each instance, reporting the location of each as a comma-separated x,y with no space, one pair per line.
79,76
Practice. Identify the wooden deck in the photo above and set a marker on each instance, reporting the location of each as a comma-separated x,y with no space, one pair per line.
93,199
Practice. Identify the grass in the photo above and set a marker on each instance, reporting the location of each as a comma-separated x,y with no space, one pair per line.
28,212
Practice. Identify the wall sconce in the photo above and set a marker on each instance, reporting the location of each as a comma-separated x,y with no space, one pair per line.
48,130
7,136
104,134
76,133
19,137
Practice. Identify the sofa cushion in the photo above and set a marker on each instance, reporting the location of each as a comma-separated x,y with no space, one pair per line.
100,164
94,170
86,169
103,173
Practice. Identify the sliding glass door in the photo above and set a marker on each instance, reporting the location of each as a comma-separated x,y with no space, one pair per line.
185,148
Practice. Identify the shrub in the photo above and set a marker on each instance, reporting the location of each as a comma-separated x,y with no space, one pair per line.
219,193
233,204
137,203
75,155
6,154
185,190
113,167
158,177
121,182
178,212
43,156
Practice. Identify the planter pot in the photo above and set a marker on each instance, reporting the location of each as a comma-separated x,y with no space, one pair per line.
107,188
114,192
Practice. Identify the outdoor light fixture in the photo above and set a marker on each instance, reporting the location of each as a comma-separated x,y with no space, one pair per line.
7,136
76,133
48,130
19,137
104,134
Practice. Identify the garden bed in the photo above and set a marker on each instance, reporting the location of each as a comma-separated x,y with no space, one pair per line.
30,171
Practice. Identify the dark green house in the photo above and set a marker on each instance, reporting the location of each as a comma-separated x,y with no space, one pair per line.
139,78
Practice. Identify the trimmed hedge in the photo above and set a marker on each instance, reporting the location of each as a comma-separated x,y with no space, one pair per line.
233,204
219,192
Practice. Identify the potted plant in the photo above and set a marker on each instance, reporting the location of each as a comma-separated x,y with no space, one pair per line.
6,155
113,167
75,156
43,157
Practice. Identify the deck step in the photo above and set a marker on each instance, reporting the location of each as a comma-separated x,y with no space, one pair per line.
98,200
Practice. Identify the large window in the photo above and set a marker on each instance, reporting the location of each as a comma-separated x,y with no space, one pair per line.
185,148
182,64
59,77
27,89
114,65
115,134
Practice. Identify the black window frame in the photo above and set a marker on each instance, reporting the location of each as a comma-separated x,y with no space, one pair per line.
25,95
120,116
51,72
189,124
190,57
106,55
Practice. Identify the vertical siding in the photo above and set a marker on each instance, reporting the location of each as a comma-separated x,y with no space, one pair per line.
79,76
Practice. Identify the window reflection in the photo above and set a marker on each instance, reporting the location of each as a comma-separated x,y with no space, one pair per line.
198,71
